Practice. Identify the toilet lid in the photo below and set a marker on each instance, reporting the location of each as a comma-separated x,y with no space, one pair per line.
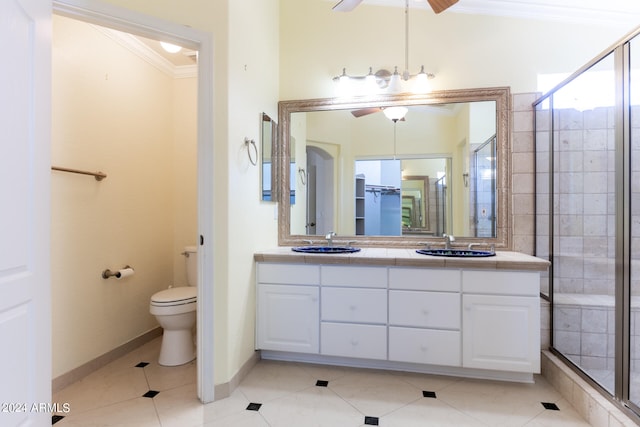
175,296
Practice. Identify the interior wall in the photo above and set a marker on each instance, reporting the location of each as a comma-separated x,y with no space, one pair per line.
185,179
463,51
114,112
246,53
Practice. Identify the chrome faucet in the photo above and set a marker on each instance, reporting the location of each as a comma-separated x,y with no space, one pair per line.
447,240
329,237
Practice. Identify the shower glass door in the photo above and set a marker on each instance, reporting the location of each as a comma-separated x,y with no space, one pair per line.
484,191
634,137
584,232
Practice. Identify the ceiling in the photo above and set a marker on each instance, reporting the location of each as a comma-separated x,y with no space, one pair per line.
603,12
599,12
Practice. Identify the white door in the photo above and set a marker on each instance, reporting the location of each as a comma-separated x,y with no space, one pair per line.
25,315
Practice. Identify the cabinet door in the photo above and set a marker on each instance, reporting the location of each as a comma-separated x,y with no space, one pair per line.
501,333
288,318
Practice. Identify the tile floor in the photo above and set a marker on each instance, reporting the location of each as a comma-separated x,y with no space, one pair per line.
279,394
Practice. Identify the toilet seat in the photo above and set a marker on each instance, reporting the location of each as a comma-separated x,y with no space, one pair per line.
174,301
175,296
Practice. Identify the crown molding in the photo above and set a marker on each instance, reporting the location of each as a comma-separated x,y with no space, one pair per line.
138,48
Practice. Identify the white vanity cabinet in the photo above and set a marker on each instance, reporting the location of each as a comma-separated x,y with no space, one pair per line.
457,320
353,312
288,308
501,320
424,316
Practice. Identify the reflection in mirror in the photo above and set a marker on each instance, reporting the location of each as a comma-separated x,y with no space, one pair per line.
440,170
269,135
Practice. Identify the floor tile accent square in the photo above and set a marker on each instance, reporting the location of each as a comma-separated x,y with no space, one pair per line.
371,421
551,406
254,406
431,394
151,394
56,418
142,364
322,383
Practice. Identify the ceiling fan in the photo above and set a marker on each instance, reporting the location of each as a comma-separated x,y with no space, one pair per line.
366,111
437,5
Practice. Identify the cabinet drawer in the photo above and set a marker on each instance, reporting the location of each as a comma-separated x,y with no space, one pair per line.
293,274
354,305
501,282
424,279
425,346
424,309
363,341
368,277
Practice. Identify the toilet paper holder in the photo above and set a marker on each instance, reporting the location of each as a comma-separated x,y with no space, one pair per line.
117,274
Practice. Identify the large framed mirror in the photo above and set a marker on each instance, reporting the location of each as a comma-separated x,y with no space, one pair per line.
395,181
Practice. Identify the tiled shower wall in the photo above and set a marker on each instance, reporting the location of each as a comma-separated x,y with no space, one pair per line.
523,191
584,229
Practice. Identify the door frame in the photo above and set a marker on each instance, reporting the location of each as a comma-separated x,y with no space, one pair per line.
129,21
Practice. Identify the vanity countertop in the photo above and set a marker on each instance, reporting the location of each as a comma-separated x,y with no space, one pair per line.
503,260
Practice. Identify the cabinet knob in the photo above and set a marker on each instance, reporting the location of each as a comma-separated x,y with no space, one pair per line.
354,342
352,307
424,348
425,311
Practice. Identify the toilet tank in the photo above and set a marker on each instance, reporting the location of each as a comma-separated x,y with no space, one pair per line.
191,260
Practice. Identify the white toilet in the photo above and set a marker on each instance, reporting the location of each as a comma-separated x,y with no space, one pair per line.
175,310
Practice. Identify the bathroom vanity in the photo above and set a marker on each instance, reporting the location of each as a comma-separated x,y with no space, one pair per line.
395,309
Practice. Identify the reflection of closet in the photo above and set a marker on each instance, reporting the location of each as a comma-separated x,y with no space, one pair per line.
360,188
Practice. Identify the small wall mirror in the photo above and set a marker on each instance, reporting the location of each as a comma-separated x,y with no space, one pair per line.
269,135
442,168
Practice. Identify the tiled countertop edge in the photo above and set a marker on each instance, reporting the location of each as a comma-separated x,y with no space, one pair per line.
503,260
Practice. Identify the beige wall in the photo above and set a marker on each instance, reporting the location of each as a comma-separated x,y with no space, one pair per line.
115,113
464,51
246,51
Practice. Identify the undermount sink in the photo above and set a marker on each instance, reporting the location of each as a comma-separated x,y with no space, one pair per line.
462,253
326,249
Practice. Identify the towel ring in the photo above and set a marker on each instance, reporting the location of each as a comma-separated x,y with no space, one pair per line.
303,175
253,160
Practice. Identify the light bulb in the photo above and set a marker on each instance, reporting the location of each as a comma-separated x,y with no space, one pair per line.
395,113
344,84
171,48
370,84
394,82
421,84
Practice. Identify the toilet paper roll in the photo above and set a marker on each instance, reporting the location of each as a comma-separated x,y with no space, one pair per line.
125,272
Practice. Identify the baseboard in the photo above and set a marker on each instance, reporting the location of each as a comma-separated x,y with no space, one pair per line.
222,391
82,371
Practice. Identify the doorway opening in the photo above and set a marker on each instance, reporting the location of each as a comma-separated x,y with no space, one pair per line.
137,24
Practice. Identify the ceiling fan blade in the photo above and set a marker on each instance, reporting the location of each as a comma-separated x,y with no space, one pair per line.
346,5
365,111
441,5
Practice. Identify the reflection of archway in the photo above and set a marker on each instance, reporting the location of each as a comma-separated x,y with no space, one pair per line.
320,167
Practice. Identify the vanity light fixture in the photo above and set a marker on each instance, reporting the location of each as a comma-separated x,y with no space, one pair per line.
383,81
